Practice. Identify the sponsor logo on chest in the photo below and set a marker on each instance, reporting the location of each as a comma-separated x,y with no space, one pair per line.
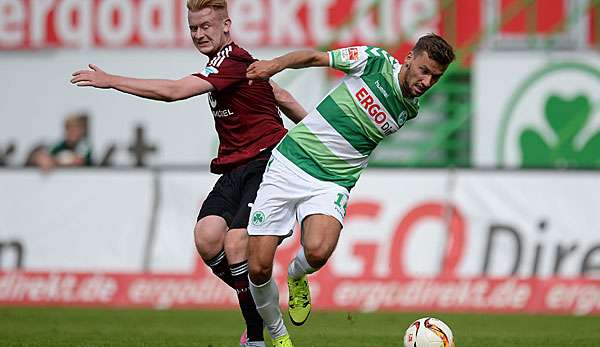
373,107
213,107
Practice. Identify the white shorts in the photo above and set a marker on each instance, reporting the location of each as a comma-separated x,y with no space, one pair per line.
288,195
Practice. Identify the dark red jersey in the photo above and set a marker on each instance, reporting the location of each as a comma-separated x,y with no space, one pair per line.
246,116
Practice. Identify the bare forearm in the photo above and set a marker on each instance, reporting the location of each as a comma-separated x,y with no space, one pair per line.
294,113
264,69
155,89
293,110
301,59
288,104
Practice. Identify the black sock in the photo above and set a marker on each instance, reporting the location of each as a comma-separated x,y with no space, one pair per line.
254,322
220,267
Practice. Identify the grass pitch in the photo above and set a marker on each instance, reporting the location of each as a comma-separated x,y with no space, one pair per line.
104,327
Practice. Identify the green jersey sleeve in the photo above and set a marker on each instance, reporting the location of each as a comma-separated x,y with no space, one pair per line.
351,60
359,60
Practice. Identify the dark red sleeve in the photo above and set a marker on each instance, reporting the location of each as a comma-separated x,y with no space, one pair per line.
229,73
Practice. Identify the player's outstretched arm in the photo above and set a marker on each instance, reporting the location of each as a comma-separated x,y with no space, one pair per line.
288,104
155,89
264,69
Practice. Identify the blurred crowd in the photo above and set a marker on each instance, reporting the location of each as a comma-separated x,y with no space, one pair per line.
71,150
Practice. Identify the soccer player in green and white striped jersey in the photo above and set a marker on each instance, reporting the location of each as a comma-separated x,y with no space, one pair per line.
317,163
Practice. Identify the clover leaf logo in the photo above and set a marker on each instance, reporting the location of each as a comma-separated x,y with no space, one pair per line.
567,118
258,218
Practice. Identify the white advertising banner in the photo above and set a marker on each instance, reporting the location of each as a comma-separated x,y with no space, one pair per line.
529,224
536,109
181,196
413,240
75,220
382,208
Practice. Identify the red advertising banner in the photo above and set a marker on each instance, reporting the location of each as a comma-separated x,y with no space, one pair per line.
203,290
50,24
366,292
30,24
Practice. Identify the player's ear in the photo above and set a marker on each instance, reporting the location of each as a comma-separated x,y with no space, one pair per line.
227,25
409,57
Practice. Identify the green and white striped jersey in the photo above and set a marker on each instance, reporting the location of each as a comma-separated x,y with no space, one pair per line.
334,141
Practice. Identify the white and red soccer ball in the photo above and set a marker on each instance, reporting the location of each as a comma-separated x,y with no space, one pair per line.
428,332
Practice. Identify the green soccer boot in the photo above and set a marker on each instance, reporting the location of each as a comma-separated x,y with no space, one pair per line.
283,341
299,300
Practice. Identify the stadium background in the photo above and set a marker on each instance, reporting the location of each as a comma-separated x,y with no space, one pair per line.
487,202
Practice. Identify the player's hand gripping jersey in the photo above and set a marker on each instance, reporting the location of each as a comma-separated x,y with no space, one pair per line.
334,141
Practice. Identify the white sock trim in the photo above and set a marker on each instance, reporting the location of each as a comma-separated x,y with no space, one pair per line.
258,285
299,266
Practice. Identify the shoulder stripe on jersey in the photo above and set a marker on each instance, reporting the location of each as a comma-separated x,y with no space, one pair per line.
373,51
378,52
225,55
218,59
214,59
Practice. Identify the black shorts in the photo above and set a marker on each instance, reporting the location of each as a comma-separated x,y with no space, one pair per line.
233,192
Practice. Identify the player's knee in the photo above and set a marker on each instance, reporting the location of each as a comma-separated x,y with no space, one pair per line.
317,257
236,248
208,242
236,244
259,273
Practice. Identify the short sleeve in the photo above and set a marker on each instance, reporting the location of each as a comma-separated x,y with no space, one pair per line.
227,73
356,61
351,60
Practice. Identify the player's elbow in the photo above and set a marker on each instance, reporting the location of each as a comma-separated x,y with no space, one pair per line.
164,94
281,95
170,98
185,88
173,93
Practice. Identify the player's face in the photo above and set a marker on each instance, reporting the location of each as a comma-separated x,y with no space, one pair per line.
209,30
420,73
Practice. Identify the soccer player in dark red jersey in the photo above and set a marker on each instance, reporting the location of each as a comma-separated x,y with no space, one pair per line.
248,125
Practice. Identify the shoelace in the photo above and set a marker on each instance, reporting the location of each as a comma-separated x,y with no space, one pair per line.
299,298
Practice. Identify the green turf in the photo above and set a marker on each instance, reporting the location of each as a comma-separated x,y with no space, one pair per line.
95,327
